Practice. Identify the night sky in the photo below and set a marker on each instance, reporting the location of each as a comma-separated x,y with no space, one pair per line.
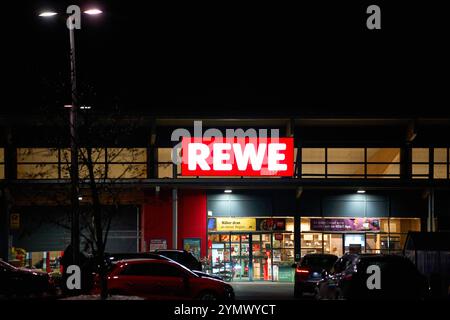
193,57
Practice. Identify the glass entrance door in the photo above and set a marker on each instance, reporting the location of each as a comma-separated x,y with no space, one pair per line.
354,242
262,256
240,256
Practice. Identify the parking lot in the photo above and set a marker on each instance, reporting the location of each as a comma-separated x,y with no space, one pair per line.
263,290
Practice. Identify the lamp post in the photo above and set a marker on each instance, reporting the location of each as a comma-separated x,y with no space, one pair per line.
73,123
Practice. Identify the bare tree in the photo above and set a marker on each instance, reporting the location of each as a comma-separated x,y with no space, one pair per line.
100,169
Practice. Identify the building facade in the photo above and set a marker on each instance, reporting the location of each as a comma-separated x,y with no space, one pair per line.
359,185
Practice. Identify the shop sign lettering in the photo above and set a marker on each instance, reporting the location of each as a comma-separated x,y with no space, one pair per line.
237,157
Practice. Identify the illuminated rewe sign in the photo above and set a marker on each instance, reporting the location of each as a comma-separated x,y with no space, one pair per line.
237,156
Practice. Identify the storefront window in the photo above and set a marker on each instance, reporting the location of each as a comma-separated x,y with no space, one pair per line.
257,248
311,243
350,163
441,169
165,165
54,163
420,163
366,235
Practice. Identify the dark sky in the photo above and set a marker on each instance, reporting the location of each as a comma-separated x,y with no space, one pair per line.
193,57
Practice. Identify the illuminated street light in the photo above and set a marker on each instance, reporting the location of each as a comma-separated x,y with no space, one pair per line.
46,14
75,198
93,11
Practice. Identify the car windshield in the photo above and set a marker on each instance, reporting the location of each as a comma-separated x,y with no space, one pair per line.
325,262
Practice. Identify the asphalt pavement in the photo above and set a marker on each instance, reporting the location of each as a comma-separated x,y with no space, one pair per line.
263,290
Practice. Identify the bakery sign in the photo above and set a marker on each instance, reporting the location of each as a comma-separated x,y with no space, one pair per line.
348,224
235,224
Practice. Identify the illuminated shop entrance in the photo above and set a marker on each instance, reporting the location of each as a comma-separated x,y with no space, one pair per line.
355,235
252,256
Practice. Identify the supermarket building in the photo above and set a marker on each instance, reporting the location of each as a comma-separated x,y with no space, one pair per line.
359,185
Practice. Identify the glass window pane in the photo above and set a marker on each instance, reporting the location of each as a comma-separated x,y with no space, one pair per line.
2,155
403,225
127,154
97,155
373,243
127,171
381,169
420,169
37,171
345,155
440,155
440,171
99,171
350,169
420,155
165,170
383,155
164,154
316,169
37,155
311,242
333,244
2,171
313,154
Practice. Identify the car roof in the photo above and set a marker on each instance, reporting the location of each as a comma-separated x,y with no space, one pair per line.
320,255
140,260
149,260
169,250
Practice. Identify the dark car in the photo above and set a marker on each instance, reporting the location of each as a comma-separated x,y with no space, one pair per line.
23,282
183,257
349,279
158,279
310,270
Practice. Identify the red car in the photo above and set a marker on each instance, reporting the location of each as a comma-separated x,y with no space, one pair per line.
162,280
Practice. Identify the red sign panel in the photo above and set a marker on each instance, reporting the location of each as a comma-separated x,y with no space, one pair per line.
237,157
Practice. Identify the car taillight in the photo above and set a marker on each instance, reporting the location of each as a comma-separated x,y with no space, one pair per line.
348,276
301,271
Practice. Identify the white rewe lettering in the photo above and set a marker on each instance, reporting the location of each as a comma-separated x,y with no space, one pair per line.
196,158
256,157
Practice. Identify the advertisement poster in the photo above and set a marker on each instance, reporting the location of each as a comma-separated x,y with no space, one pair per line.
158,244
271,224
353,224
192,245
235,224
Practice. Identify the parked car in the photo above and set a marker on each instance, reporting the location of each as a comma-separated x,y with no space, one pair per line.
114,257
399,279
163,279
23,282
183,257
310,270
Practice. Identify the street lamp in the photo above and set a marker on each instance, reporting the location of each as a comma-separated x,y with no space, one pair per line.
47,14
75,231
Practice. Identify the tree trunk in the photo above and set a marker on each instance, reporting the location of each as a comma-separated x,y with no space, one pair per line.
97,212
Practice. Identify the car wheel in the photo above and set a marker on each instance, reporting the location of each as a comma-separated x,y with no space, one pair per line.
207,296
